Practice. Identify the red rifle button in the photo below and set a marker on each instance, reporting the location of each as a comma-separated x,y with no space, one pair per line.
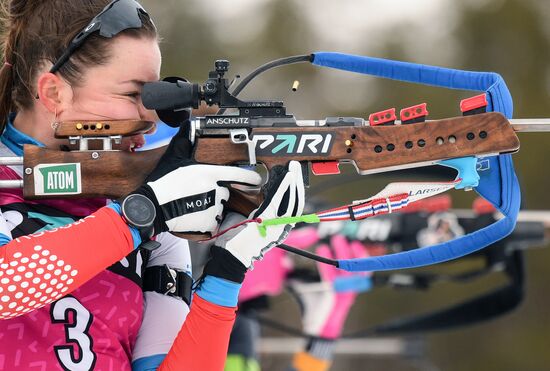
386,117
474,105
413,114
325,168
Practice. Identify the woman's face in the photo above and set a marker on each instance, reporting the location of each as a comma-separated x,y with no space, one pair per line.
113,91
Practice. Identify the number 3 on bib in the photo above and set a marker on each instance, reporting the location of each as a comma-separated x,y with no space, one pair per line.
76,332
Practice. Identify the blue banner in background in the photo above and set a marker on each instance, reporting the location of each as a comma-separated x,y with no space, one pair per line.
160,137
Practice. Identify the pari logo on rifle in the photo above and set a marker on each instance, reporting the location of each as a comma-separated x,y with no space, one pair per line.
283,144
57,179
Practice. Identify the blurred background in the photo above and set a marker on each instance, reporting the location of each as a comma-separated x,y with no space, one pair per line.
511,37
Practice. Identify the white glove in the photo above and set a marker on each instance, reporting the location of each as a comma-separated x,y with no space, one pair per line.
189,197
285,198
192,197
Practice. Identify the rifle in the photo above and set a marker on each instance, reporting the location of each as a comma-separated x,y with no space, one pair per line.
113,174
262,132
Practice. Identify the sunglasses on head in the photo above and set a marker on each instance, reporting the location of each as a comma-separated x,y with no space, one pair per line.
117,16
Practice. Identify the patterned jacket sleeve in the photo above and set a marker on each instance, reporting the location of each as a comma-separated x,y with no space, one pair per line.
40,268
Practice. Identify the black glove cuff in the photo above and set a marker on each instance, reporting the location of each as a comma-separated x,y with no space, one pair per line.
224,265
160,223
320,347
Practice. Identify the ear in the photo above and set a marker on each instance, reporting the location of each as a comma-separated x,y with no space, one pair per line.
54,92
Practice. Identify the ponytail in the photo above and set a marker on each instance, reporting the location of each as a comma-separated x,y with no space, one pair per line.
6,86
11,18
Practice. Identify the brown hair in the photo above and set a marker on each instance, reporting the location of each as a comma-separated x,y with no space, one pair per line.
34,32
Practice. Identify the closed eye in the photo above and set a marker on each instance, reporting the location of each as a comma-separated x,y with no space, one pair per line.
133,95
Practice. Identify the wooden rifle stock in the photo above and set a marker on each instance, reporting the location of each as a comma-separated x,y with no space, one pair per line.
382,148
113,174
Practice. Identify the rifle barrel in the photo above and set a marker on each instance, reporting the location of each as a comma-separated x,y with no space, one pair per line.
11,184
10,161
519,125
530,125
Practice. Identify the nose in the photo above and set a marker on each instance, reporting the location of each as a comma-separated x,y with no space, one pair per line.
146,114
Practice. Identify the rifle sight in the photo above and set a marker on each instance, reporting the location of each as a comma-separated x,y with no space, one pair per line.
174,95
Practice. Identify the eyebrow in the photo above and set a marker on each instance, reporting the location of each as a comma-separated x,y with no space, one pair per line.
136,82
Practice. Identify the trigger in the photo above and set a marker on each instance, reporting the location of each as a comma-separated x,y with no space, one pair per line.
305,172
325,168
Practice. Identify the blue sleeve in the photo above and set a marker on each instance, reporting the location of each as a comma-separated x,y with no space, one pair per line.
148,363
135,233
4,239
219,291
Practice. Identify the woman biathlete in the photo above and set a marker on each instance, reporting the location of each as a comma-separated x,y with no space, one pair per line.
76,291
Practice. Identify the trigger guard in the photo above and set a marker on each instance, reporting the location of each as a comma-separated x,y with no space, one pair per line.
275,176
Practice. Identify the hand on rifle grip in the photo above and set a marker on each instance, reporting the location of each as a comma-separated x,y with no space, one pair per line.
284,198
244,202
190,197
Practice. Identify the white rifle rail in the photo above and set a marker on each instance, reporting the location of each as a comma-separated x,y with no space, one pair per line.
379,347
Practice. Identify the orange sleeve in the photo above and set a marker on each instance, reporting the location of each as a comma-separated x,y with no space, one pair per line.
306,362
202,343
62,259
